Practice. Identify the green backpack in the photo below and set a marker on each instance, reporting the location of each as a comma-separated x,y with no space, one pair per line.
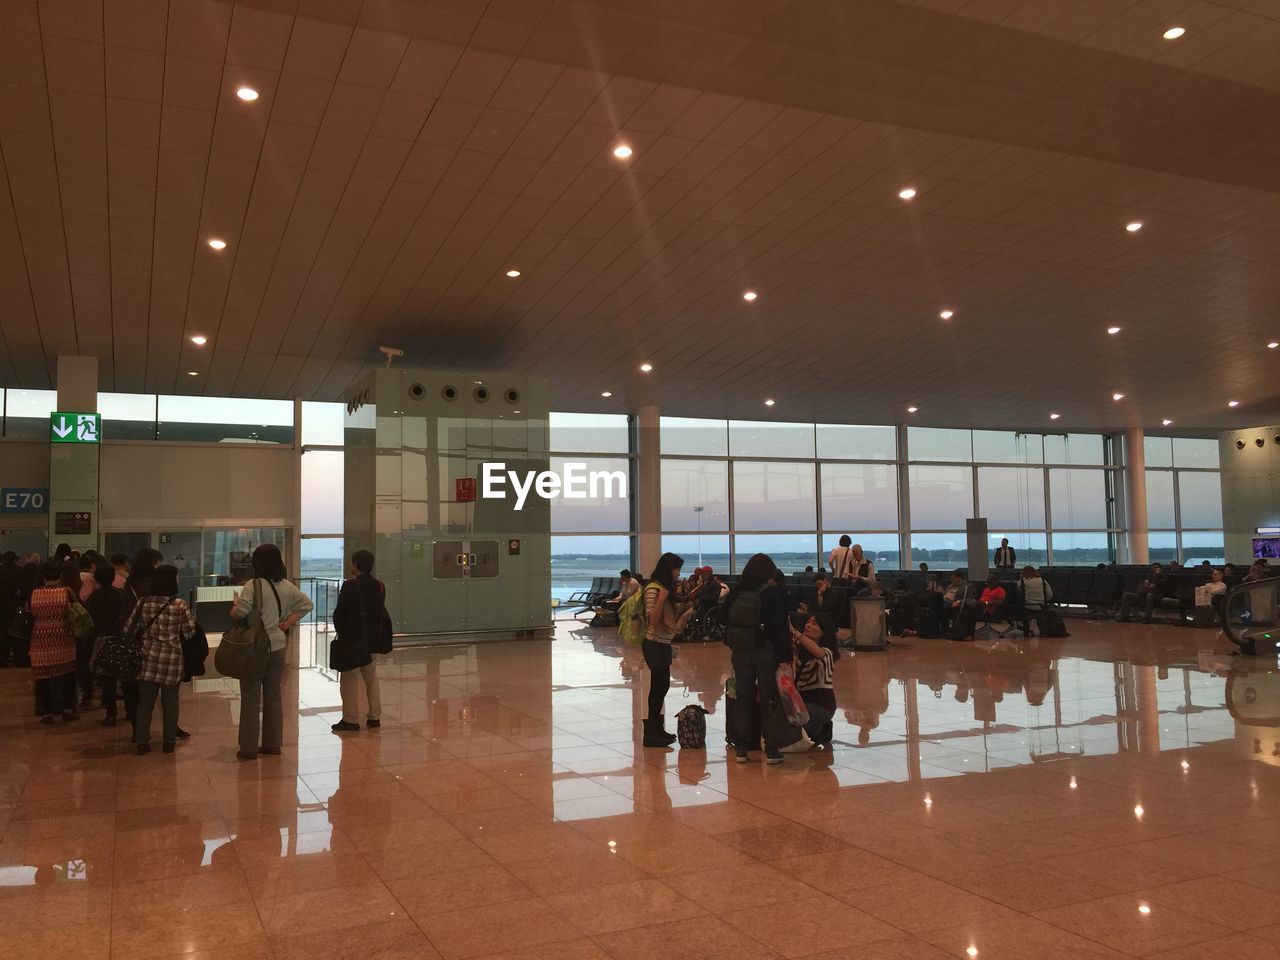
633,624
77,619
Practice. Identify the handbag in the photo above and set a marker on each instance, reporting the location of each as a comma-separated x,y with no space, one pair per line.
195,650
77,619
121,656
245,647
792,703
384,642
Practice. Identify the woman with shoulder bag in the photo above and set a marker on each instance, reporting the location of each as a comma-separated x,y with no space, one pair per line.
764,644
358,618
53,648
659,607
162,621
282,605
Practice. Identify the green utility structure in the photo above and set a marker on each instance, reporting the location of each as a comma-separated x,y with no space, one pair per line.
457,565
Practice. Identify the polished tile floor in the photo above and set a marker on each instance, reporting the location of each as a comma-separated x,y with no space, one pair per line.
1111,795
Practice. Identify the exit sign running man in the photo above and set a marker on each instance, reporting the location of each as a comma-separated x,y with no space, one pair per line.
75,427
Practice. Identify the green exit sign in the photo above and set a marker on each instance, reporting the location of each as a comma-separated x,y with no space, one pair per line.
75,427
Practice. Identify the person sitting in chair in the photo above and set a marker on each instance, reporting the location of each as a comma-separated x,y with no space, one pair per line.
1149,591
987,605
828,600
628,586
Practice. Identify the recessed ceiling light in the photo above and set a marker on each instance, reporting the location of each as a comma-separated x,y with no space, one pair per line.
750,295
947,314
1166,422
1133,226
1117,396
1054,416
1233,403
912,409
646,367
192,373
199,341
907,193
622,151
1113,330
248,94
606,394
218,244
1173,33
513,273
1273,344
768,403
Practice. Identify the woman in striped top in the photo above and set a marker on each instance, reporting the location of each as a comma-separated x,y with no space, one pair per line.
815,669
660,608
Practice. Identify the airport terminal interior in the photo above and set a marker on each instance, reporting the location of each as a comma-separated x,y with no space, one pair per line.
607,480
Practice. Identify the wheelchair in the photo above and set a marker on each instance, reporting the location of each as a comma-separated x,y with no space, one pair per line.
703,626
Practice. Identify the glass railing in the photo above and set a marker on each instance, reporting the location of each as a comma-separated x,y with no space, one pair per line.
1251,616
316,629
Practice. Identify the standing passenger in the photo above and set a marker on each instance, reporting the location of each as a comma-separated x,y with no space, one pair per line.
282,606
357,619
760,637
660,608
163,621
53,648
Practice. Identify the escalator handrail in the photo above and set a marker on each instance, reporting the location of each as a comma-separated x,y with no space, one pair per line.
1244,586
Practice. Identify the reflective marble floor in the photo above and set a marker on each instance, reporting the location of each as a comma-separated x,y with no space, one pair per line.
1111,795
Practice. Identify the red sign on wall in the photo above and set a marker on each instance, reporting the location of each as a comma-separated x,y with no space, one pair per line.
465,490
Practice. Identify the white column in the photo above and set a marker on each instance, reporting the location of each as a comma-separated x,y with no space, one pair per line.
648,492
1135,496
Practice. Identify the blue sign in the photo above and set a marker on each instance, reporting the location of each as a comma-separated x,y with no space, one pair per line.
24,500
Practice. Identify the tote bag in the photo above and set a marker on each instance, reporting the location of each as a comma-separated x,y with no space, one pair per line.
245,647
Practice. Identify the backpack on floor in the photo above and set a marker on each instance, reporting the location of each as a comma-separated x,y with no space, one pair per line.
632,622
691,728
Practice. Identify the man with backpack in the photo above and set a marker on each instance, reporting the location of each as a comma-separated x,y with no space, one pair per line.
759,636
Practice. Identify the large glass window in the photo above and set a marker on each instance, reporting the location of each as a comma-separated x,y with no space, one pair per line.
930,443
792,552
750,438
941,497
838,441
1030,547
1195,452
575,561
1012,497
26,412
708,550
322,491
1075,449
859,496
602,510
1200,499
1162,546
939,549
1160,499
695,495
323,424
1080,549
1202,545
882,549
773,496
998,446
128,416
1078,499
225,420
693,437
590,433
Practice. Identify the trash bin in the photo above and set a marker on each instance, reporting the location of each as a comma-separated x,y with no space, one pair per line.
867,619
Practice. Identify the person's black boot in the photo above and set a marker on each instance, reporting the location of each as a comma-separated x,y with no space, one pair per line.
660,725
653,735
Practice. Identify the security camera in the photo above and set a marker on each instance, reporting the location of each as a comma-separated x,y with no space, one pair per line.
391,353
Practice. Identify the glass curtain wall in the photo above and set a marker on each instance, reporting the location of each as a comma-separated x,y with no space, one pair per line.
1184,500
322,489
590,537
732,488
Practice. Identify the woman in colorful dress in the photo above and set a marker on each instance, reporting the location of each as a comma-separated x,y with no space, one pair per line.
163,621
53,648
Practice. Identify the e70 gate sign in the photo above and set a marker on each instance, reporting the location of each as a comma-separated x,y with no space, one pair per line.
24,500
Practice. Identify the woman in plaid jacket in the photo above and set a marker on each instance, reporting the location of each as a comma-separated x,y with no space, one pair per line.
164,621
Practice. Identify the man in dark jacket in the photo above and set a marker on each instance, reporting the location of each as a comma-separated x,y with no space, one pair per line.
10,587
358,621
